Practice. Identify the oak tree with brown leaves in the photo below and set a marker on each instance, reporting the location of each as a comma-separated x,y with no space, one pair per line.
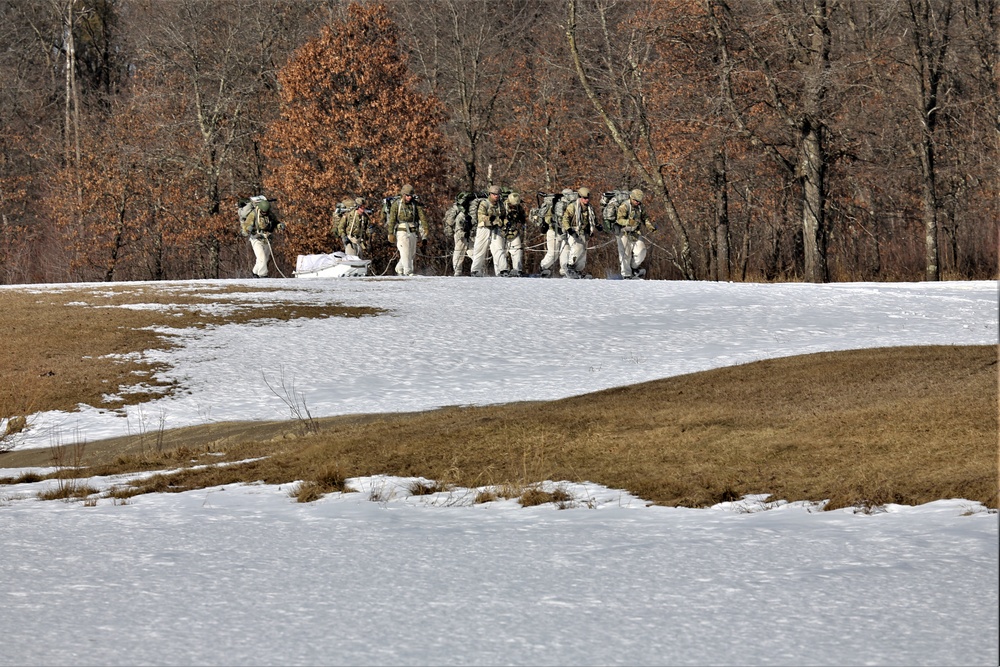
352,123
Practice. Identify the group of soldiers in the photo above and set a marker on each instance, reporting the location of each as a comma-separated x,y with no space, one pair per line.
496,231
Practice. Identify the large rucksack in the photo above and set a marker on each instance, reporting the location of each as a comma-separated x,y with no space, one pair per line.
387,203
610,201
472,209
262,221
542,217
457,219
247,205
340,210
468,209
343,208
566,197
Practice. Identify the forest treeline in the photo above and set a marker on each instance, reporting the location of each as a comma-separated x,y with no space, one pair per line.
815,140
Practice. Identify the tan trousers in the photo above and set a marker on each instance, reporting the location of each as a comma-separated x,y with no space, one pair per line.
573,257
515,248
631,253
488,240
553,247
406,244
463,249
353,247
262,251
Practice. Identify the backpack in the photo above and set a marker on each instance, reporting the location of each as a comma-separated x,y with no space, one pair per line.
343,208
262,221
543,215
566,197
610,201
247,205
456,218
387,203
340,210
473,207
467,209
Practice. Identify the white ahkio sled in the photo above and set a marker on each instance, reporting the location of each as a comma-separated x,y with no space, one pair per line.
334,265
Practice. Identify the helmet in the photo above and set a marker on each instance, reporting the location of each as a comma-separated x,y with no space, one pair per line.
264,206
636,195
358,201
406,190
583,192
494,189
513,199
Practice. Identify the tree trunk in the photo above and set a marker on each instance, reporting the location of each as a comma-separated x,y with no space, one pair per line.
929,205
930,39
721,183
814,234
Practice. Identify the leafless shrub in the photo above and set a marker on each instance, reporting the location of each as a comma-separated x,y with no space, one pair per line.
68,459
296,401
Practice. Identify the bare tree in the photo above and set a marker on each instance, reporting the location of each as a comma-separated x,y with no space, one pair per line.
464,51
929,24
651,169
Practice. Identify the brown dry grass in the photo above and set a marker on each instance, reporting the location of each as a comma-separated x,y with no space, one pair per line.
63,347
867,427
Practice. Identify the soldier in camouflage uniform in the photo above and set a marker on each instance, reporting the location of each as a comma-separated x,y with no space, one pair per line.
406,220
354,229
578,223
513,219
630,223
463,244
258,222
489,236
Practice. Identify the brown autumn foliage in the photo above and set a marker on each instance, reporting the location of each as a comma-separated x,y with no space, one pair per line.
183,100
334,91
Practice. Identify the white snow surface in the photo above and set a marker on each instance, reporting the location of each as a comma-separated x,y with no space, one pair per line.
244,575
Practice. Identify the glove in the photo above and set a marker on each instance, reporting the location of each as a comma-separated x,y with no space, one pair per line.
423,243
570,232
346,241
392,238
544,227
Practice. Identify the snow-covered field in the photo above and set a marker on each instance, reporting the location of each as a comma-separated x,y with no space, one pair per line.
245,575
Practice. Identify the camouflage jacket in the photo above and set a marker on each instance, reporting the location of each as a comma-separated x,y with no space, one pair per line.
409,217
632,219
584,222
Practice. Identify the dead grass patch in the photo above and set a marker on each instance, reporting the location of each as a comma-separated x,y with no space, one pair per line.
534,495
906,425
64,347
425,488
863,428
